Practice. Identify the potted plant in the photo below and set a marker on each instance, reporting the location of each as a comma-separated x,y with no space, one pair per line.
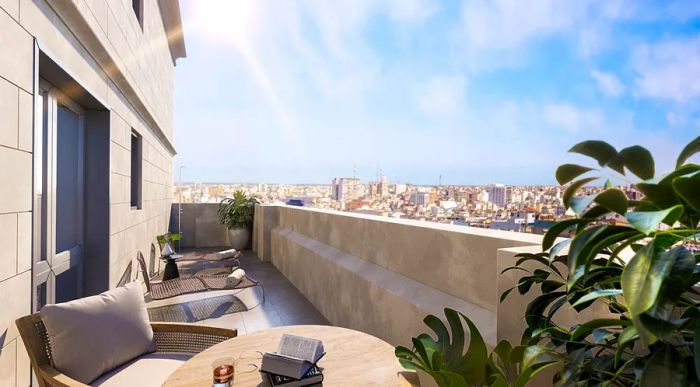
651,335
236,214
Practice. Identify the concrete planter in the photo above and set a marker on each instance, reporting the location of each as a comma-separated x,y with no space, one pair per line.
238,238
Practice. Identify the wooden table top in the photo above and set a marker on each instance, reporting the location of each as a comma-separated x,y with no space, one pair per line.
352,359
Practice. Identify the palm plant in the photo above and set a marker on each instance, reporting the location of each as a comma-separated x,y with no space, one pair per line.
237,212
444,359
651,336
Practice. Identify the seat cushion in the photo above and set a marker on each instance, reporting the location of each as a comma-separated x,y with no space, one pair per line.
148,370
94,335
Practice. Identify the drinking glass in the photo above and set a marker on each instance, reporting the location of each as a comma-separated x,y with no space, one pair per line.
222,372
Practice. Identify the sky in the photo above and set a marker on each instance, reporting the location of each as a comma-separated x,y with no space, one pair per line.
474,91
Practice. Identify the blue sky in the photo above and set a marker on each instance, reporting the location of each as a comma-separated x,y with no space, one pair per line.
478,91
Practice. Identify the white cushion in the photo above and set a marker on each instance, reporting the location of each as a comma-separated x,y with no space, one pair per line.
226,254
235,278
94,335
147,370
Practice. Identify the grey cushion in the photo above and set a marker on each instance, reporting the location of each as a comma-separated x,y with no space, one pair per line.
147,370
94,335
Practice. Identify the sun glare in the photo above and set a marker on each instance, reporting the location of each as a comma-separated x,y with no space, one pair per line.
231,21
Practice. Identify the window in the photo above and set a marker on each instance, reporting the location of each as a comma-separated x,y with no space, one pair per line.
137,5
136,156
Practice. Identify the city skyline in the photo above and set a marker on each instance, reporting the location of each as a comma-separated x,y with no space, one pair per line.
474,91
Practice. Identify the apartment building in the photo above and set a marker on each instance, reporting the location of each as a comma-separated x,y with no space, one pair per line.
86,148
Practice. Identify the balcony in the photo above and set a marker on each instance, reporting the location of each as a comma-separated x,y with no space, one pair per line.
374,274
242,309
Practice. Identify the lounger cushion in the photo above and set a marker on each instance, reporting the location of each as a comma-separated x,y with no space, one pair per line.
94,335
226,254
147,370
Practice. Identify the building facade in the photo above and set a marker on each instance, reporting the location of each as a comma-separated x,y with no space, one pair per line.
86,148
345,189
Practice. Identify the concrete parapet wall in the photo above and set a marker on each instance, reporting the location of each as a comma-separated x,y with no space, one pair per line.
199,225
383,275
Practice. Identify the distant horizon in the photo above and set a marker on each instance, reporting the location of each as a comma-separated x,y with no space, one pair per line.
474,90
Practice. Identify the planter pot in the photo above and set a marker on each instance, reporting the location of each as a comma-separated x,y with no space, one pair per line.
426,380
238,238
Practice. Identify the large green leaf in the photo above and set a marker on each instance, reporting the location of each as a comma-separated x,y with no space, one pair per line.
613,199
648,221
601,151
639,161
597,294
570,191
692,148
476,356
567,172
642,280
688,187
666,368
578,246
586,328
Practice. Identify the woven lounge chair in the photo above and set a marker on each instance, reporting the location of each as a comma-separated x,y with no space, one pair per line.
208,257
170,338
193,284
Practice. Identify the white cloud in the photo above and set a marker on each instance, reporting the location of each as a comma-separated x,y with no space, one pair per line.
442,95
608,83
571,118
668,70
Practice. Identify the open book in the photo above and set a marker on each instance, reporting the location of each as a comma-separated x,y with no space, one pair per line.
294,357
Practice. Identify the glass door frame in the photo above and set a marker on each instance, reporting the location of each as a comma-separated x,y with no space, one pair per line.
47,264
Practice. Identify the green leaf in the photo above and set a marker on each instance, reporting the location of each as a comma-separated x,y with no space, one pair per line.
537,356
642,280
639,161
688,188
666,368
577,249
601,151
648,221
580,204
597,294
692,148
627,337
476,356
585,329
573,187
551,235
567,172
614,200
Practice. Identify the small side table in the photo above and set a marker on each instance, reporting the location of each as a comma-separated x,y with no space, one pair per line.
171,271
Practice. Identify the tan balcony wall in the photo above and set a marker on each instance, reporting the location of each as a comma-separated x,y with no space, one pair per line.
383,275
199,225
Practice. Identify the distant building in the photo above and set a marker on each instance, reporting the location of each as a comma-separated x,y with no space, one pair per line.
497,194
420,198
345,188
383,187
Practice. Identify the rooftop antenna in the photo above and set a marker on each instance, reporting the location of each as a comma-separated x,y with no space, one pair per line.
354,171
440,181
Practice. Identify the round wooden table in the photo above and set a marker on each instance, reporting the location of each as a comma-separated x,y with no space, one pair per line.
352,359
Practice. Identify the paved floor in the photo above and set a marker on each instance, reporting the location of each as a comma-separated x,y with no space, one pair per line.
241,309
